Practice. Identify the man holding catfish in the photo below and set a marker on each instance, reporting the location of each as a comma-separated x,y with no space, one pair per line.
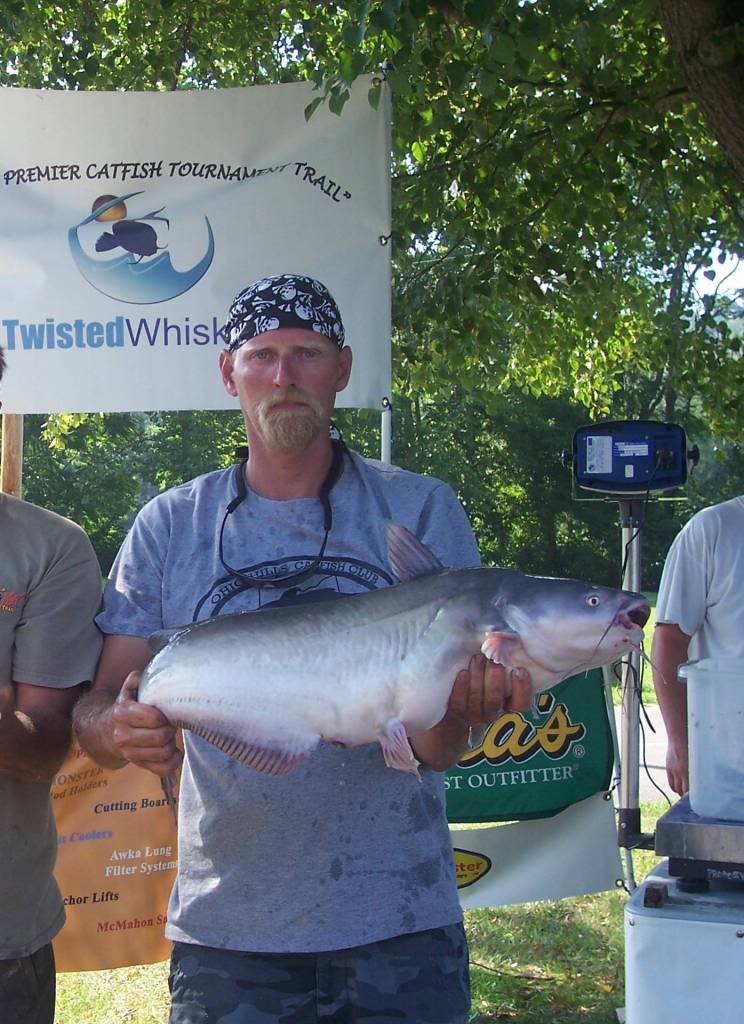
327,892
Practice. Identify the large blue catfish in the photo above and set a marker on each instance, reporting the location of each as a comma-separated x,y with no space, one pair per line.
267,687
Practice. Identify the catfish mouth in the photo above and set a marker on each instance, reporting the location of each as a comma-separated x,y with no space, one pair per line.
636,614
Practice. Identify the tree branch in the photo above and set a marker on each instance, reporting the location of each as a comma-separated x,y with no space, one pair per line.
186,32
702,38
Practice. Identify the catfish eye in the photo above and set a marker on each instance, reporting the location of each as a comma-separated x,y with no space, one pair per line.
592,600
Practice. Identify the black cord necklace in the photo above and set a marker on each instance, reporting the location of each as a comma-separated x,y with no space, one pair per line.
241,493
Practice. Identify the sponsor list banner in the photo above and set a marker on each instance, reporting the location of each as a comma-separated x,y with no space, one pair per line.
116,863
129,221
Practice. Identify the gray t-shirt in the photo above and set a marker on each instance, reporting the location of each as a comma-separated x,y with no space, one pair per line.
341,851
50,589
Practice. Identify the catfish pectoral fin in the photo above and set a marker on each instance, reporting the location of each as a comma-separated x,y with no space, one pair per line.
500,646
396,749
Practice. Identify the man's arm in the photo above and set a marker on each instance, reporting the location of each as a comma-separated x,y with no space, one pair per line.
669,650
34,730
112,727
481,693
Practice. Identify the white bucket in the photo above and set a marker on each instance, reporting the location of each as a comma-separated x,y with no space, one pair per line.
715,724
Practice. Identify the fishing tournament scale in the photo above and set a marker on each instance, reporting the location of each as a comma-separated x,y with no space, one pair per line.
684,924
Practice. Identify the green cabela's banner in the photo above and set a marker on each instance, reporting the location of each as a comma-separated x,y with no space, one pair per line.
537,763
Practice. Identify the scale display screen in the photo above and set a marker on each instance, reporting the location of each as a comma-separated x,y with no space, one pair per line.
630,457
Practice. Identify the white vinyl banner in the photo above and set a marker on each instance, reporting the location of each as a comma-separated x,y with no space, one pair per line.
573,853
129,221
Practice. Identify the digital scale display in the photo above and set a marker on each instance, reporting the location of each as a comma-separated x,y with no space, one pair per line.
630,457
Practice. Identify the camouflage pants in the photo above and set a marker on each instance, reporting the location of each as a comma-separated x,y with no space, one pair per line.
420,978
27,988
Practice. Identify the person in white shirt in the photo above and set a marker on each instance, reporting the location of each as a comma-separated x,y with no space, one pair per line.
699,614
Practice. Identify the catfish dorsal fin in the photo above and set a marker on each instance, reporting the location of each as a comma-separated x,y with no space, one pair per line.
409,558
163,637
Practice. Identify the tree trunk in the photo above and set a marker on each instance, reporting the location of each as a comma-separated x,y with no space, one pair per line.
701,36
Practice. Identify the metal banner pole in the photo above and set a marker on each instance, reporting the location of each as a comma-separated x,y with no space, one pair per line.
629,814
386,431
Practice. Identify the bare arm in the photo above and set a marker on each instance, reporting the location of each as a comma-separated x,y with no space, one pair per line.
34,730
112,726
481,693
669,650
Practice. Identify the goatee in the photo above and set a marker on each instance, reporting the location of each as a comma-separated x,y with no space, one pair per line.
291,428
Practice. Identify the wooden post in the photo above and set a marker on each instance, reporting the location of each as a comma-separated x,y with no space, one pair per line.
11,465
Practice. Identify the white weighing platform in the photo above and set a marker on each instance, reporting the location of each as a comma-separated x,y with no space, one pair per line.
684,956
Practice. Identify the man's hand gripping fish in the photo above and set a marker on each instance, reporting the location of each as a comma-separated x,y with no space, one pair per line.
267,687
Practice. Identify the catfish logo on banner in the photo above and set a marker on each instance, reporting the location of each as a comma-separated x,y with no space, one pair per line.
142,272
534,765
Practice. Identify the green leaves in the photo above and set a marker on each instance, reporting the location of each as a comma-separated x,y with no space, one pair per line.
312,107
502,49
336,99
553,191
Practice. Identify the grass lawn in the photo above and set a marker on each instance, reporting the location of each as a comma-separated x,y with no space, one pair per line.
558,962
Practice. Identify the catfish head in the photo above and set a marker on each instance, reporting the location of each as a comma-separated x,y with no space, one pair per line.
554,628
565,626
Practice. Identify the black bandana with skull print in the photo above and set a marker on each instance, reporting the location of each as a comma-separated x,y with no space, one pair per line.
286,300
